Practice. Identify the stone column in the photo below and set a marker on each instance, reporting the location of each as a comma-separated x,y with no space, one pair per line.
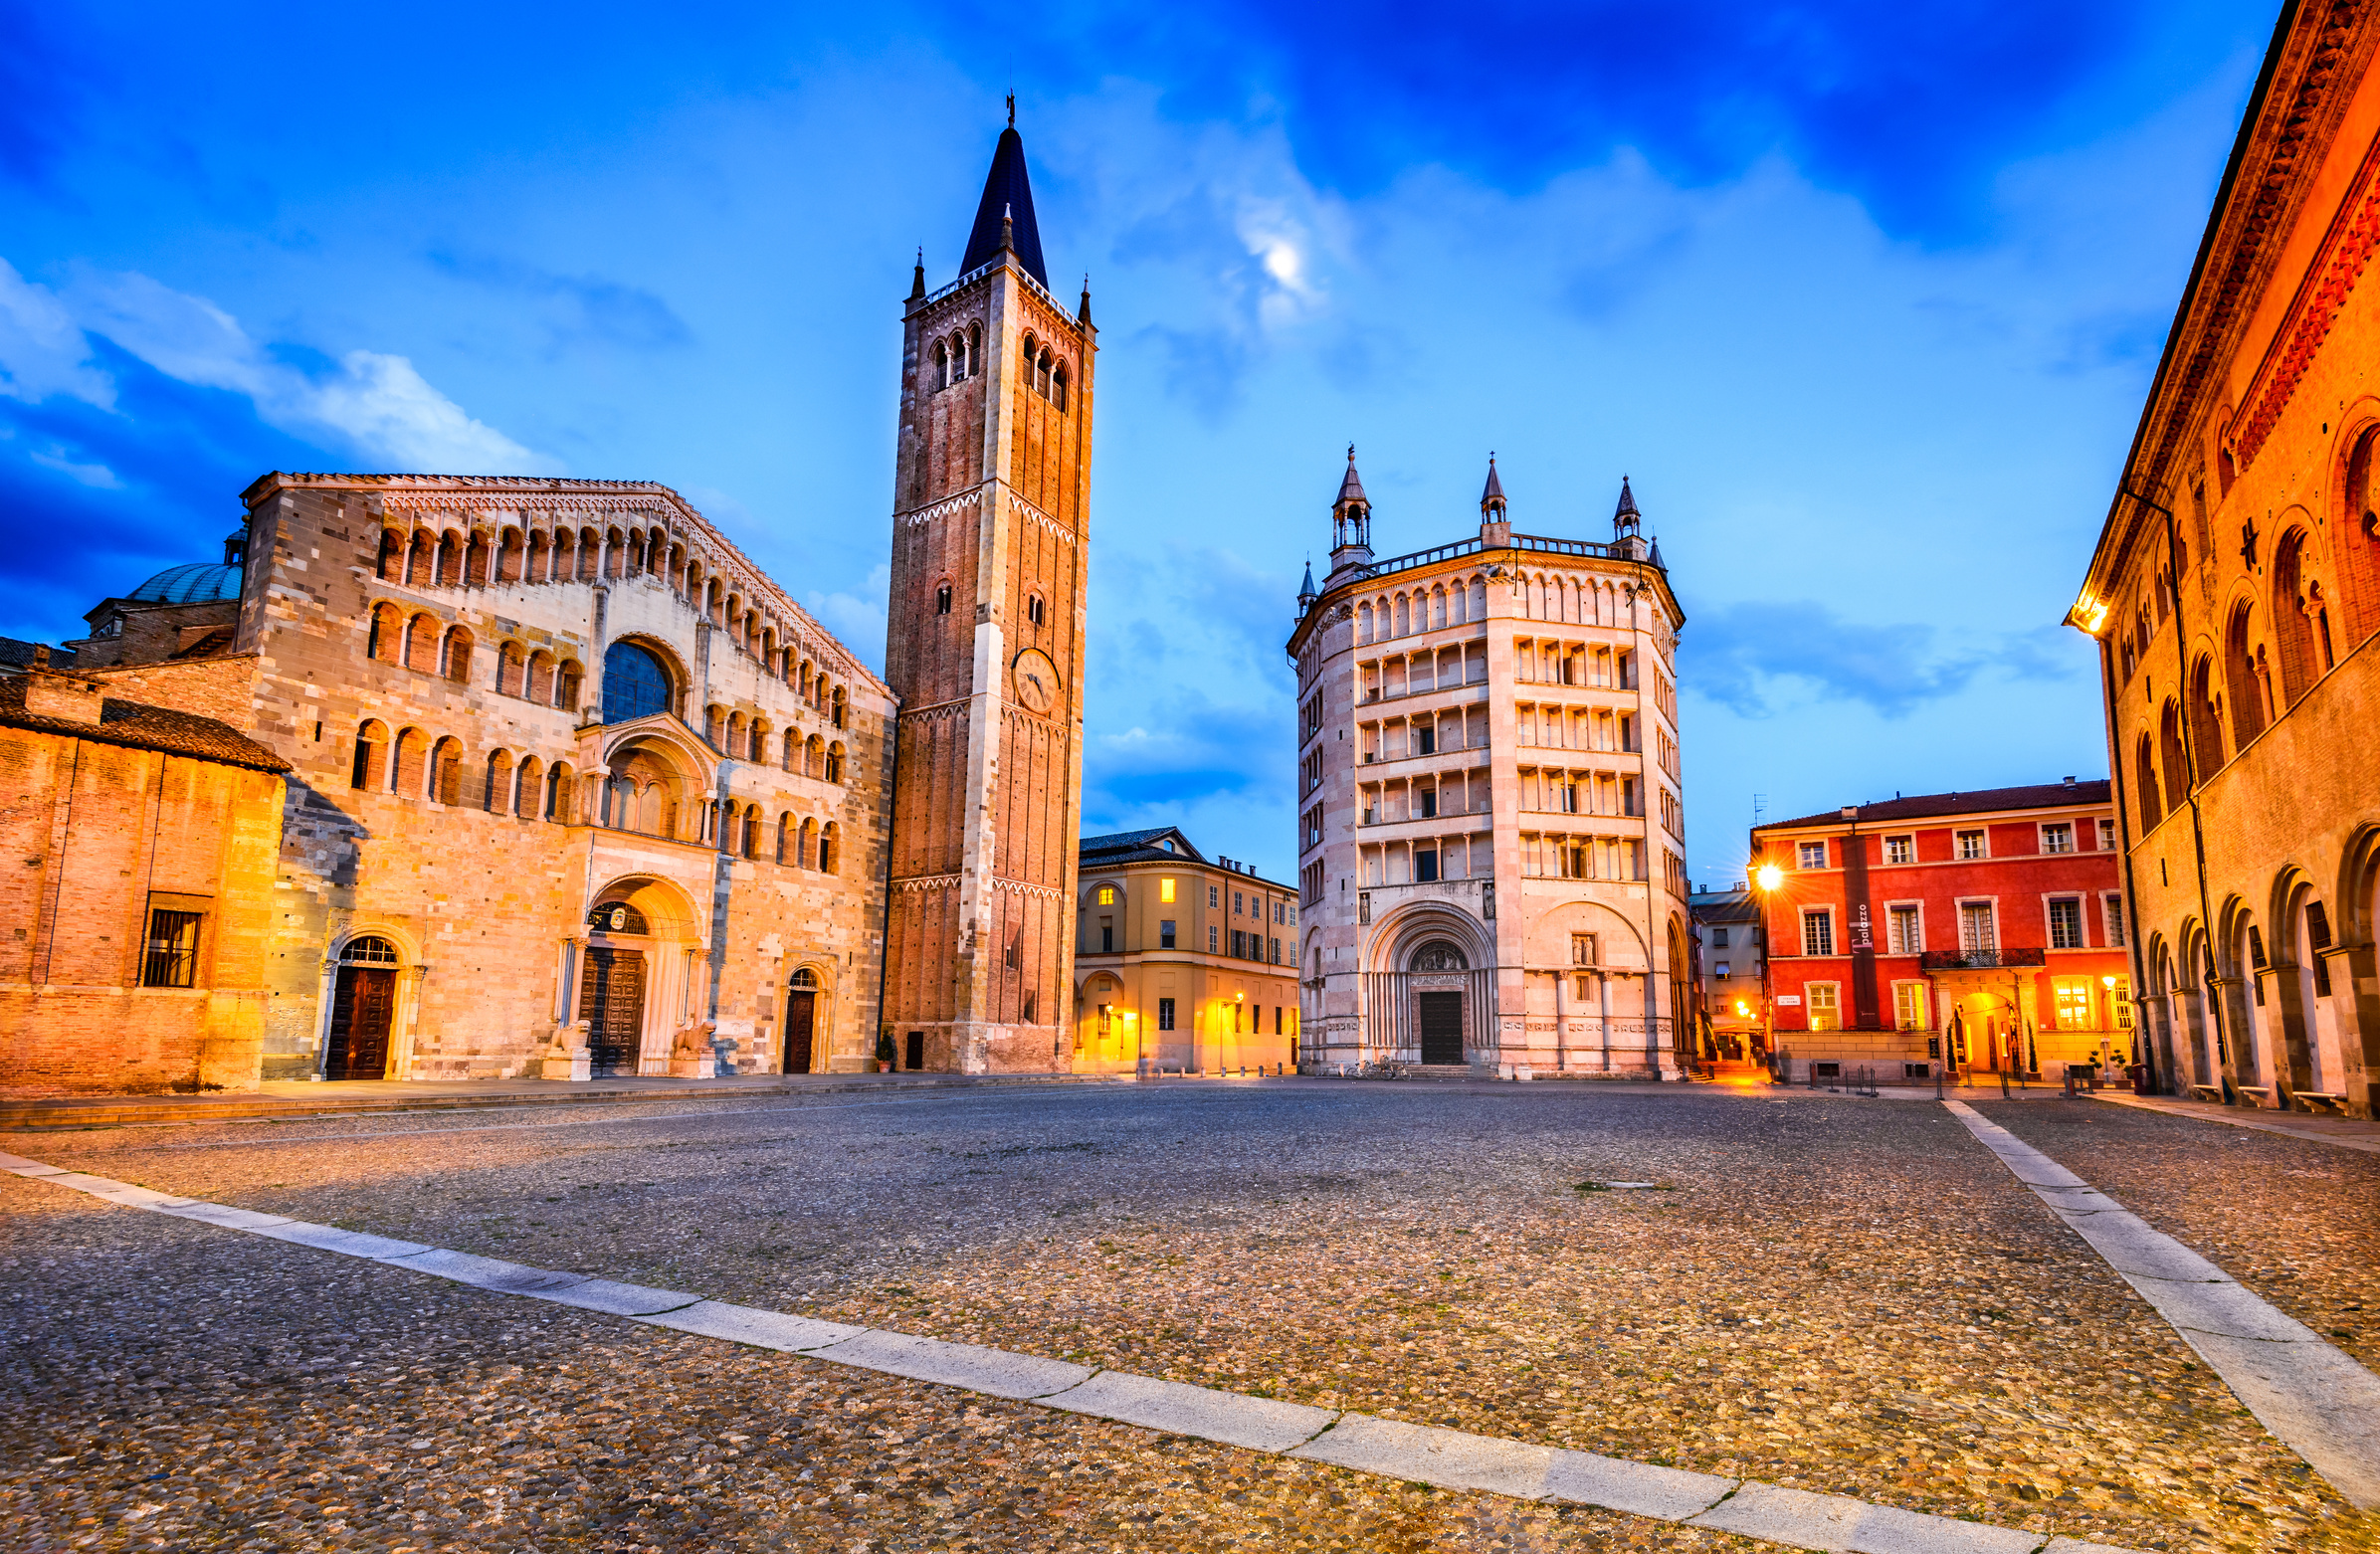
2355,999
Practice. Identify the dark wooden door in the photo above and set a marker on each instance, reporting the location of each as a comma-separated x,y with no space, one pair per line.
801,1018
611,999
362,1011
1442,1026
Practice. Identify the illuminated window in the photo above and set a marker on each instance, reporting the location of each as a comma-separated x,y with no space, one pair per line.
1814,855
173,959
1165,891
1904,936
1818,933
2120,1002
1970,844
2106,835
1106,895
2072,999
2058,839
1908,1006
1826,1010
1900,850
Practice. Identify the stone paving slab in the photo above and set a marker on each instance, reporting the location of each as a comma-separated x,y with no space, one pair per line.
512,1278
617,1299
762,1329
1258,1424
1638,1488
994,1371
2344,1132
1450,1459
352,1243
216,1214
1829,1522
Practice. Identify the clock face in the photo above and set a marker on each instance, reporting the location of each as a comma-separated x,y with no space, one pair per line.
1035,680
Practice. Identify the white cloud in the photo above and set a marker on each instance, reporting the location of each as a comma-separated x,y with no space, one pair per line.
95,474
42,352
857,619
375,404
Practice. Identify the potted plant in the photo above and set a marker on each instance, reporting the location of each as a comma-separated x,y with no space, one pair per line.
884,1052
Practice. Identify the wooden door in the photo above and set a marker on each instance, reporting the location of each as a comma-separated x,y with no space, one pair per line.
611,999
801,1018
1442,1026
362,1010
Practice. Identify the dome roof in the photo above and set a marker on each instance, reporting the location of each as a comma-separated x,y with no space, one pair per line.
193,582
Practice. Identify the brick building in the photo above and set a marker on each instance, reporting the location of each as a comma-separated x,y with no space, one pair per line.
1183,962
136,957
2234,597
1490,834
1982,931
991,528
1732,976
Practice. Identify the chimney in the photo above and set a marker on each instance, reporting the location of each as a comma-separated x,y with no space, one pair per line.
70,699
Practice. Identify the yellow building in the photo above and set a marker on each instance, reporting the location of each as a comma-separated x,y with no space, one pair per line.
1181,964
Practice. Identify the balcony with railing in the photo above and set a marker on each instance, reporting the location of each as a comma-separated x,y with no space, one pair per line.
1981,959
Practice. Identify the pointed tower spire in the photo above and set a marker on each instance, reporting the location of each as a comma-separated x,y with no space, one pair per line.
917,281
1495,523
1627,506
1006,211
1628,535
1083,313
1492,500
1305,591
1350,522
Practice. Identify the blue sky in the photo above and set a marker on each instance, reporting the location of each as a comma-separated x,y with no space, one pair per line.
1864,300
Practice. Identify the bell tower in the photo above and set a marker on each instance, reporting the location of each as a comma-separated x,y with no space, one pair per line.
990,528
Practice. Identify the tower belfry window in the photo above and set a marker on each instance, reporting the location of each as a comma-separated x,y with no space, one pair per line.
942,600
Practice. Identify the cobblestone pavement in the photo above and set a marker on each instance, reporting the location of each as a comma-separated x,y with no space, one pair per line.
1846,1295
2296,1221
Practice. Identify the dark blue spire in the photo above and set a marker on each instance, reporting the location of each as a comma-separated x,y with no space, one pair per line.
1007,192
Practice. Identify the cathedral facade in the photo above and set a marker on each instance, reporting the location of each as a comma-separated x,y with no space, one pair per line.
565,786
1490,828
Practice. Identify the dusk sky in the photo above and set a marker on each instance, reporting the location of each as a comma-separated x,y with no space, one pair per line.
1862,296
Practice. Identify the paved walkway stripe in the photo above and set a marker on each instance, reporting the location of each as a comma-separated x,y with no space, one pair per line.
2310,1395
1422,1453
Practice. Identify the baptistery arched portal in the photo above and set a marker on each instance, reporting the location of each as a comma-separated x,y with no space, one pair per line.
801,1021
1437,1010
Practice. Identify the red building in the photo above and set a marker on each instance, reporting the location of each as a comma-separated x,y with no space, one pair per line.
1980,930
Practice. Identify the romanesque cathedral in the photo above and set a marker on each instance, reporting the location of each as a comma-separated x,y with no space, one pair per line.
463,776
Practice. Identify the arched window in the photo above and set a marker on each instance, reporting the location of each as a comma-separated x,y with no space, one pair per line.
2206,721
446,771
814,756
793,750
562,794
1041,384
1363,623
2355,542
733,747
635,683
806,854
2171,757
1035,610
421,643
829,845
837,715
942,366
499,798
407,770
751,832
371,746
2240,677
759,749
477,553
457,655
369,950
2144,778
835,762
540,558
508,557
787,836
567,685
388,634
1058,388
942,599
529,793
2293,629
421,556
392,557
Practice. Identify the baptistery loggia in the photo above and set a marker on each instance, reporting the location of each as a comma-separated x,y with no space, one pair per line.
1490,829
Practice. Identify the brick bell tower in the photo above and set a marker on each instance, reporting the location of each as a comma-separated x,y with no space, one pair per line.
990,528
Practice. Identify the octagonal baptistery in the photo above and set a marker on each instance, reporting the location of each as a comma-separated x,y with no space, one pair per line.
1490,831
590,791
